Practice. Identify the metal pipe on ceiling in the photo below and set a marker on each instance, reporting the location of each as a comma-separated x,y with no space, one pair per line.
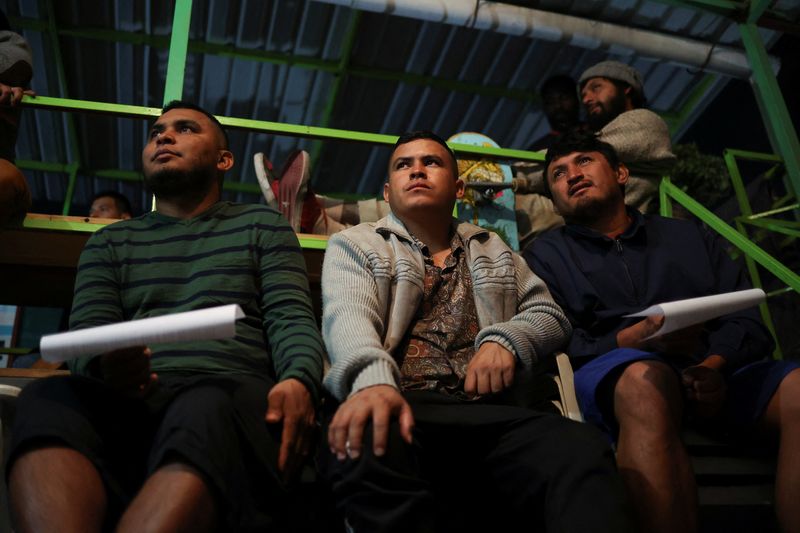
591,34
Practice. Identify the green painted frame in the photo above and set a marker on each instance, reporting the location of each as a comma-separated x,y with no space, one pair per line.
754,254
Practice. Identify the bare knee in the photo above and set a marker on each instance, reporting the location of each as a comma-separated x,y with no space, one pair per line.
648,394
39,463
783,410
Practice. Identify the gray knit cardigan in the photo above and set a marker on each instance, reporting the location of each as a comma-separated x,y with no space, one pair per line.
372,285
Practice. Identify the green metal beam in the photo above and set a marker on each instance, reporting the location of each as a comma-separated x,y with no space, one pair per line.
313,242
72,136
277,128
757,8
719,7
758,254
67,104
225,50
176,66
72,180
62,225
121,175
341,72
729,157
755,277
752,252
777,211
695,97
720,4
754,156
773,108
777,226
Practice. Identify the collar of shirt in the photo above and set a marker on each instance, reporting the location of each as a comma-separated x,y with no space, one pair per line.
456,250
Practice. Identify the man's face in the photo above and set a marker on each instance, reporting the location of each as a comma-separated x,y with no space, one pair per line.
583,185
106,207
184,154
422,177
603,102
561,108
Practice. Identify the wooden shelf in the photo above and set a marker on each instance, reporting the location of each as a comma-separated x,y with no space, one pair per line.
38,262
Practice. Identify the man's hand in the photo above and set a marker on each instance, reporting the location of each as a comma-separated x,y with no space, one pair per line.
128,370
379,403
290,401
705,387
683,342
634,336
491,370
11,96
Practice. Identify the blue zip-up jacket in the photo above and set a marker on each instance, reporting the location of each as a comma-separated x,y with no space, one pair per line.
597,280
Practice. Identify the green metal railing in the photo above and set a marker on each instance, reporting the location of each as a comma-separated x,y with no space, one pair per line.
754,254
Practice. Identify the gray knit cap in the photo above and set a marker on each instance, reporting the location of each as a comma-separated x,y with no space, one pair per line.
13,49
614,70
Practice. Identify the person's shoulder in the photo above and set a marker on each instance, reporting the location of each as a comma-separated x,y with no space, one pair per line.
669,224
548,245
551,237
468,230
642,117
119,228
253,211
363,235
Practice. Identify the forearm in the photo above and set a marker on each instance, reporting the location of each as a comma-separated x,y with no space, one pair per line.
352,322
287,315
539,327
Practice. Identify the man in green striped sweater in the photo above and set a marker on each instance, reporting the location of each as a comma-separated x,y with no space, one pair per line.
184,436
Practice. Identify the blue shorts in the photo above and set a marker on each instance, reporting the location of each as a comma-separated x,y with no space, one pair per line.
750,388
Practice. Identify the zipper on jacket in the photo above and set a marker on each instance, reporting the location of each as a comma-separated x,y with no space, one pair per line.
618,244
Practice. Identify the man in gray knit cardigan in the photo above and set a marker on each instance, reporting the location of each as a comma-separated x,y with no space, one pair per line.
437,332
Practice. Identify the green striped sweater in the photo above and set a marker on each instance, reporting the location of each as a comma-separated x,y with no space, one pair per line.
246,254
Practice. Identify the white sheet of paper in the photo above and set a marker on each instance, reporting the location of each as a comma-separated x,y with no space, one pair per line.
684,313
203,324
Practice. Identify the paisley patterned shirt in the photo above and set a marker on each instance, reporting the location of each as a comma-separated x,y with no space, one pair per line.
440,342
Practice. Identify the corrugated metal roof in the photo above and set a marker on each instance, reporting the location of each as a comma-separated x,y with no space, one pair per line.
400,74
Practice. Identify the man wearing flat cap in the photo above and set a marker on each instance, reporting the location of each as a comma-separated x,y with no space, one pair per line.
613,97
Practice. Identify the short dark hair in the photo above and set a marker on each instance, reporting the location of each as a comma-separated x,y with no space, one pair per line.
122,202
417,135
560,83
578,141
182,104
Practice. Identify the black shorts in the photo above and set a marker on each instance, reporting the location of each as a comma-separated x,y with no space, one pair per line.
215,423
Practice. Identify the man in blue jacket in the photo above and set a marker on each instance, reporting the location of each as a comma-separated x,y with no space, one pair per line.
610,261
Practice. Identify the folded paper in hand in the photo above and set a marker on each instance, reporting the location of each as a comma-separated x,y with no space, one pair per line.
684,313
203,324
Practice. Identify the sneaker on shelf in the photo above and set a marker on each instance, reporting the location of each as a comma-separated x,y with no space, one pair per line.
292,187
266,179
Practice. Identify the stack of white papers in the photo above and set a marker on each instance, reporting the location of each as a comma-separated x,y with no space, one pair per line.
203,324
684,313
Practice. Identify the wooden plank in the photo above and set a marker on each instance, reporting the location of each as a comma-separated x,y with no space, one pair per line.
38,266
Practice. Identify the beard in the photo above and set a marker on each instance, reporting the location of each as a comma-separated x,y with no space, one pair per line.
169,183
609,110
589,210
